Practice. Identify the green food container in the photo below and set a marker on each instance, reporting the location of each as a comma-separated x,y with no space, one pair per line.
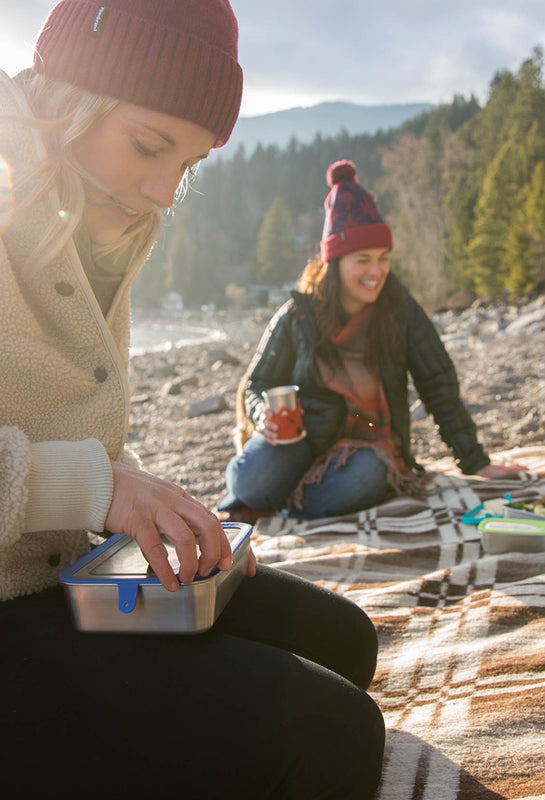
505,535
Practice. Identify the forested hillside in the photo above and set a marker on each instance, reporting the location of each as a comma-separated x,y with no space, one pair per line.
463,188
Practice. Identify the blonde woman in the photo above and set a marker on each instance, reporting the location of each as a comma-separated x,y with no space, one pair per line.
122,102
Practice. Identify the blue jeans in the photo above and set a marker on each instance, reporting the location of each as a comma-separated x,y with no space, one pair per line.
263,476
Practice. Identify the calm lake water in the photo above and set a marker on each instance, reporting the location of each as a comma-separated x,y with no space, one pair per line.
162,335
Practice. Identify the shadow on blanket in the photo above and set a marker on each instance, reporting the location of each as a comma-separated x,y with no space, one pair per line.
461,672
413,762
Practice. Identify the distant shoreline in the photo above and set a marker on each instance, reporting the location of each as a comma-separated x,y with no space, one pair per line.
161,330
160,335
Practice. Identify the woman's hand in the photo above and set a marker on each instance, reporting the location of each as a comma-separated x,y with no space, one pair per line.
498,470
144,506
265,426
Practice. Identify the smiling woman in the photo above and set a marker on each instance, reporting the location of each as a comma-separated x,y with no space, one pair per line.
123,100
362,275
349,338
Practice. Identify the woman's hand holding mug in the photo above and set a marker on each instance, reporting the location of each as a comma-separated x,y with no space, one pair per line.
281,417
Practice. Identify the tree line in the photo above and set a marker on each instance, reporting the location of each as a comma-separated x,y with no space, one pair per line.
462,186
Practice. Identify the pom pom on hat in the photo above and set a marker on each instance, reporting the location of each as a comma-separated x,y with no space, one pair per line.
352,221
340,171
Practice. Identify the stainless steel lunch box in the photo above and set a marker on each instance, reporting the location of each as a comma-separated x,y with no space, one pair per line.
111,589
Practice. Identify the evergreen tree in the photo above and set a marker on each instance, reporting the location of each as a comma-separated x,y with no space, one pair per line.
513,101
460,199
528,108
499,197
275,247
503,194
525,249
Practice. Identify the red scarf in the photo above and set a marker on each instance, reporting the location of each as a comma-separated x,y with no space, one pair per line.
368,414
368,421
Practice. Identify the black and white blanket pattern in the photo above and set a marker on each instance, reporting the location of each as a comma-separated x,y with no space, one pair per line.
461,671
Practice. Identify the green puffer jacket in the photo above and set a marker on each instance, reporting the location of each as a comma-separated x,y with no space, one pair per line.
286,355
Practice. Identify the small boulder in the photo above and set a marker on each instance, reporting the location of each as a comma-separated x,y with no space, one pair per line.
210,405
175,386
140,399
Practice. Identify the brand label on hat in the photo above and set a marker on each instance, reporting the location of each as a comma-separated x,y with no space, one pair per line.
99,19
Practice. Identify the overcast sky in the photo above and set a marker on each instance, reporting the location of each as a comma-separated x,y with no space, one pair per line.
302,52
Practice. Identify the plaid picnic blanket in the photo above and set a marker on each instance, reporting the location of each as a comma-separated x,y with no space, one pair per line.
461,670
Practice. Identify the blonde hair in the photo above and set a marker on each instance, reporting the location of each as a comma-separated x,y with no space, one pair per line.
62,113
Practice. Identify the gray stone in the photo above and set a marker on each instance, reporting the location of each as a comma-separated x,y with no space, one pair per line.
418,412
176,386
210,405
140,399
220,354
525,320
162,369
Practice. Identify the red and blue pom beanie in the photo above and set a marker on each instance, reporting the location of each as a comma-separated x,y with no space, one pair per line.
352,221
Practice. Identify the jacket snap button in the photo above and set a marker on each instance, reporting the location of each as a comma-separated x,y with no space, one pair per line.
54,559
64,289
101,373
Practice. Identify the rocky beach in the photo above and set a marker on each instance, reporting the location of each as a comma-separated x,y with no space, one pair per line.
183,397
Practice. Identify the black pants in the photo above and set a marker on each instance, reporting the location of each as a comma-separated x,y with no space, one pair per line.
230,713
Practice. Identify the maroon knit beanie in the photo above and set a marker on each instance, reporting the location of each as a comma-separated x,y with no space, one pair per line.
352,221
174,56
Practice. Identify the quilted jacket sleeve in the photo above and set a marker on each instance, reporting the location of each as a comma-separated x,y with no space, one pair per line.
436,381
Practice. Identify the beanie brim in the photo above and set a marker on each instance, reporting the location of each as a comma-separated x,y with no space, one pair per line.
363,237
141,62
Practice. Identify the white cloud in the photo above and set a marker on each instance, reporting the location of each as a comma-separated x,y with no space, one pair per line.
299,53
428,50
506,29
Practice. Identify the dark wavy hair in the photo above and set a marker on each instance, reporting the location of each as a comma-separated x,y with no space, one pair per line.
322,281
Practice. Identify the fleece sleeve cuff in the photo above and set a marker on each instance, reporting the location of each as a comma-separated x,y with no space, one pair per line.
70,486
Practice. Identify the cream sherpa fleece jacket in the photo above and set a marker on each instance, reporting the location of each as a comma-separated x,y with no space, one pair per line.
64,397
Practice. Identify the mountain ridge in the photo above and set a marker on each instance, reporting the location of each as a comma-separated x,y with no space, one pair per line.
328,119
